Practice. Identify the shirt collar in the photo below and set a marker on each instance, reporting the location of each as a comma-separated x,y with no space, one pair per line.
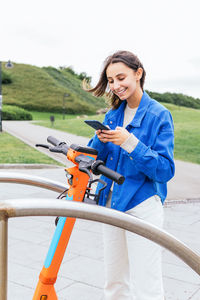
140,113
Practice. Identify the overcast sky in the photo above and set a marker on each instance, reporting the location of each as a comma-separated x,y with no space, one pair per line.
82,33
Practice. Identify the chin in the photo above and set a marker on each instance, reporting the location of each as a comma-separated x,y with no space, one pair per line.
123,98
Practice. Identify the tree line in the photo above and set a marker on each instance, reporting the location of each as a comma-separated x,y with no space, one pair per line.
176,98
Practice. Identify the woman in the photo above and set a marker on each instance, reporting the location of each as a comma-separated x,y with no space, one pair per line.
139,145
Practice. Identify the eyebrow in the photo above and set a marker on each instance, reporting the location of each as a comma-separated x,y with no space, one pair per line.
120,74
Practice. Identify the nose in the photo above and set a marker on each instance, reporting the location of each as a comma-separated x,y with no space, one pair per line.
116,85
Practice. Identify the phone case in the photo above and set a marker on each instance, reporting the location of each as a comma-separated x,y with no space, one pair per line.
96,124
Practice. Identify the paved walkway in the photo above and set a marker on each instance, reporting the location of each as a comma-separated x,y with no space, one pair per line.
81,274
32,134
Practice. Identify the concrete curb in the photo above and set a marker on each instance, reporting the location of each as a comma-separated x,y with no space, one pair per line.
169,202
29,166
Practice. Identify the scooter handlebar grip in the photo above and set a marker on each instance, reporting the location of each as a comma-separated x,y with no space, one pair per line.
52,140
110,174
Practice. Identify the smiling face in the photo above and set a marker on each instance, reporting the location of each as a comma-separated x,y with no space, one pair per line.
124,81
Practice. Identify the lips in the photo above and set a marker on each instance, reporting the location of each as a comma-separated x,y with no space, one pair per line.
121,92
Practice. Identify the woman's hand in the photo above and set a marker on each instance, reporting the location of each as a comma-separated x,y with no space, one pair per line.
117,136
98,133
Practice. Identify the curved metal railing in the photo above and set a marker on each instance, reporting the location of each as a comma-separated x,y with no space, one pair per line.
11,177
45,207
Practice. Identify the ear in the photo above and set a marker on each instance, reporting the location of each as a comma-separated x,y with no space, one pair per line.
139,73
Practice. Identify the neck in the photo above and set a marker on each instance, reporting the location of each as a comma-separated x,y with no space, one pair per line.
135,99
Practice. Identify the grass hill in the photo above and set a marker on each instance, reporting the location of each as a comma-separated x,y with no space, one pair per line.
43,89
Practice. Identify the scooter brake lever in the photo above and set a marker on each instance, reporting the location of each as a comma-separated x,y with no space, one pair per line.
42,145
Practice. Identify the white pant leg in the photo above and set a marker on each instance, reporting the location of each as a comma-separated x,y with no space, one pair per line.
145,256
116,264
117,284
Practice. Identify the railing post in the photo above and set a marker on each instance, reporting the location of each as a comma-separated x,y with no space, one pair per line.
3,257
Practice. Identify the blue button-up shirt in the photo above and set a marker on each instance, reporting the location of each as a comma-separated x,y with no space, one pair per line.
149,166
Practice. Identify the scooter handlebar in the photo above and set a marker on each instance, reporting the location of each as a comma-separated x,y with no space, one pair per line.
97,167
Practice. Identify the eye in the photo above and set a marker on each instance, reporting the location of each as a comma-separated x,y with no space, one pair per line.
121,78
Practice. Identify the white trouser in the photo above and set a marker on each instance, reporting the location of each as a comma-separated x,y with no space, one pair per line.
133,268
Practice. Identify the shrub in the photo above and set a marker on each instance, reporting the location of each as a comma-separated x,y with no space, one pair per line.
10,112
6,78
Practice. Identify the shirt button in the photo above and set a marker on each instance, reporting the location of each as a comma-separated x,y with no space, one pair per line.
111,158
131,158
110,122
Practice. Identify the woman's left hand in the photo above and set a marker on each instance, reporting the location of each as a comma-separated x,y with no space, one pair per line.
117,136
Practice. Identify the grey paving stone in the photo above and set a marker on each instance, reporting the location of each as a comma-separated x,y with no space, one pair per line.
85,270
80,250
182,273
178,290
88,238
186,235
62,283
26,253
171,258
38,264
88,226
22,275
19,292
83,243
80,291
28,235
27,223
27,277
183,218
195,245
195,296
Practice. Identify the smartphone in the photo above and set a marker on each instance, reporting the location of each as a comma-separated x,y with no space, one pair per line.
96,125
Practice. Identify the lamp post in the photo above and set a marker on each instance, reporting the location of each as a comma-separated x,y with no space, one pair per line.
8,65
64,96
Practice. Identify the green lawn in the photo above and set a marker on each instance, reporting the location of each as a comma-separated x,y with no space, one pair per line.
186,123
46,116
187,134
74,125
14,151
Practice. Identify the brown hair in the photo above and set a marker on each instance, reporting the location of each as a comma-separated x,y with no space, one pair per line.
130,60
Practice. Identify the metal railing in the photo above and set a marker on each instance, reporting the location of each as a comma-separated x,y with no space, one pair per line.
45,207
11,177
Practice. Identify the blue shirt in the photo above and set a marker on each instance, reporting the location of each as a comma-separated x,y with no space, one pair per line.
149,166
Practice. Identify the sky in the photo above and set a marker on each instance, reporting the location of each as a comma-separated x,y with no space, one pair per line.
82,33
